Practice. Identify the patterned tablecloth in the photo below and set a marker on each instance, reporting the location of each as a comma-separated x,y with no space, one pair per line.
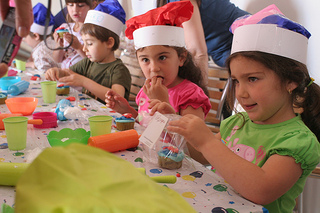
203,189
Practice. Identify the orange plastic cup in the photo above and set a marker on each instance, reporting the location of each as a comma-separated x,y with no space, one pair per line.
117,141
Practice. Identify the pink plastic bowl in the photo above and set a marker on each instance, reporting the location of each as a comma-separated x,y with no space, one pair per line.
49,119
23,105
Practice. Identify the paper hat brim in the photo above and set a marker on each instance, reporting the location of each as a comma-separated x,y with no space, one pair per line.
104,20
272,39
37,28
158,35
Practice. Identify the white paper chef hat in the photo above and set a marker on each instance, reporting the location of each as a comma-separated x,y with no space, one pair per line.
160,26
271,32
108,14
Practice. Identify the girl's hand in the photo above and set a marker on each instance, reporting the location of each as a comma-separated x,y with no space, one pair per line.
154,89
193,129
117,102
58,40
53,74
75,42
73,79
162,107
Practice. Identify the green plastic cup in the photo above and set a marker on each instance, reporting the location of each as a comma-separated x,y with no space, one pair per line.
21,65
16,131
100,125
49,91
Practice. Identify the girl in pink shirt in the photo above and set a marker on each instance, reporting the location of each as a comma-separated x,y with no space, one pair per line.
174,84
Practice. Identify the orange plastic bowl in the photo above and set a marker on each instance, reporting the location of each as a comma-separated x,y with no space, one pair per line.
23,105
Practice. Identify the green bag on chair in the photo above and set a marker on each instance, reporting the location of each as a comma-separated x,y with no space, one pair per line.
83,179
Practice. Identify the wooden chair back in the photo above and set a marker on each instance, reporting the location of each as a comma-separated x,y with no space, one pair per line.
137,77
217,87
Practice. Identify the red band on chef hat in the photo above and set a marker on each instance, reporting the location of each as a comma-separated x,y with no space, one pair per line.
160,26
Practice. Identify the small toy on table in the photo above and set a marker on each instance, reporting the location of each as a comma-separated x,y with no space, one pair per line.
125,122
3,98
63,90
65,111
61,108
61,31
35,77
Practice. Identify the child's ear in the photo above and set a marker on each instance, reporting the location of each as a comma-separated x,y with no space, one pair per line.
183,58
291,85
110,42
36,36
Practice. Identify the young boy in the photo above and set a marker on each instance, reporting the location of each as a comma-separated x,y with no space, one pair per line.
101,70
41,54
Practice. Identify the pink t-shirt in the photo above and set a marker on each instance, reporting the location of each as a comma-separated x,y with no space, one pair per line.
180,97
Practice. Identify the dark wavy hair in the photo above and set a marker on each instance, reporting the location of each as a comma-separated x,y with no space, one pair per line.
305,98
101,34
189,70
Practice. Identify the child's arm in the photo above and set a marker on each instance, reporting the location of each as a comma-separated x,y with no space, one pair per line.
118,103
58,55
75,43
260,185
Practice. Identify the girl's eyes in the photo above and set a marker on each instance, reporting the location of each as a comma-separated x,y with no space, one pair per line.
235,81
162,57
145,60
252,79
78,4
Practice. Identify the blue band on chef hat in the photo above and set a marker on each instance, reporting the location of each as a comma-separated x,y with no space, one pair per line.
39,20
284,22
114,8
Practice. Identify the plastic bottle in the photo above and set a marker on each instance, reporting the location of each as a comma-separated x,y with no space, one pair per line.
116,141
17,88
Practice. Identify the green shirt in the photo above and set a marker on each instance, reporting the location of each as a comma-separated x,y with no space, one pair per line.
105,74
256,143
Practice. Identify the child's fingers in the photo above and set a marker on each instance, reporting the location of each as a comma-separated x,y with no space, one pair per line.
154,109
159,81
153,102
147,82
176,129
24,17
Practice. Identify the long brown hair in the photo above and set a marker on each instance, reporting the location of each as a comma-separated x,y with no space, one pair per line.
305,97
189,70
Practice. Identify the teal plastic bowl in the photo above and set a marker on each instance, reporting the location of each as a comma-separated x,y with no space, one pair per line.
67,136
6,82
